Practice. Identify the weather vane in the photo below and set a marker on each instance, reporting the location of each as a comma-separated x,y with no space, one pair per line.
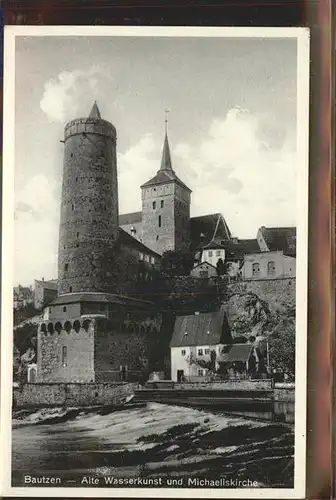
166,119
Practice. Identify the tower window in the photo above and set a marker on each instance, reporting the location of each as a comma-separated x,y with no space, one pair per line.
64,355
72,207
66,267
77,234
162,203
154,205
70,289
159,220
76,179
157,237
64,309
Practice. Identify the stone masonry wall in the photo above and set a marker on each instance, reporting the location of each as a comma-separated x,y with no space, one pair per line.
89,207
128,346
79,363
50,395
279,294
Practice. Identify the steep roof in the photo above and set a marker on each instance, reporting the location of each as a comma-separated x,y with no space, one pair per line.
128,240
95,113
204,227
203,264
51,284
236,352
280,238
165,173
131,218
209,328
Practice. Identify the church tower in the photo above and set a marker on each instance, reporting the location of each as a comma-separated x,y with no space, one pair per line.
89,205
165,208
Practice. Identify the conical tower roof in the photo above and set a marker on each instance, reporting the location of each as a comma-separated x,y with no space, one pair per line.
166,163
165,173
95,113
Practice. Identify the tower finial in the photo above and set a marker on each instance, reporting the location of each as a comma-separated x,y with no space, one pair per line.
166,120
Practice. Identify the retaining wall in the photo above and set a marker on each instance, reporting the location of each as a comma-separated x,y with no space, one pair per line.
50,395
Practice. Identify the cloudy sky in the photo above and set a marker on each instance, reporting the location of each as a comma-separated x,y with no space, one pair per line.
232,127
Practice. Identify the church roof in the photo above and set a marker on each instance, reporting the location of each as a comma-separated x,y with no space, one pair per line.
280,238
201,329
204,228
128,240
165,173
95,113
131,218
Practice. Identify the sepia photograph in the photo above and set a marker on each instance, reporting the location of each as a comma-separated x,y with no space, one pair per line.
155,261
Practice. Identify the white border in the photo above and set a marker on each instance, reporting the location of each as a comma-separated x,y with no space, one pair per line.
302,36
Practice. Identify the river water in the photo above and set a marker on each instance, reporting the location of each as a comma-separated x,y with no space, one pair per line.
158,441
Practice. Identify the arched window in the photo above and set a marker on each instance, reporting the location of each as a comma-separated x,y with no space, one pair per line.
271,267
76,326
50,328
67,326
43,328
64,355
58,327
255,268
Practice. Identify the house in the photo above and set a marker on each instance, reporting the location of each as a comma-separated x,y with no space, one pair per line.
196,342
268,265
277,238
44,292
204,270
241,361
22,295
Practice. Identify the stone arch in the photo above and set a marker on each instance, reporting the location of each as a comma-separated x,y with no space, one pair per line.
58,327
86,324
50,328
67,326
44,328
77,325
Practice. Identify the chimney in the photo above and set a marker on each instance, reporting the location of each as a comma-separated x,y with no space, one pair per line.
42,279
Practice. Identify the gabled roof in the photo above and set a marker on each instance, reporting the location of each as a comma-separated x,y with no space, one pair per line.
280,238
236,352
128,240
131,218
204,227
209,328
235,249
51,284
203,264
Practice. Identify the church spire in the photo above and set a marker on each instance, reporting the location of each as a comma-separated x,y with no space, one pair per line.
166,163
95,113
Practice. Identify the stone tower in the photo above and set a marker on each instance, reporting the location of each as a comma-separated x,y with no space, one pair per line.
165,208
89,205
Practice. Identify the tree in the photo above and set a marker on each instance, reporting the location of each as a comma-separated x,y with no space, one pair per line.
281,344
220,267
207,364
177,262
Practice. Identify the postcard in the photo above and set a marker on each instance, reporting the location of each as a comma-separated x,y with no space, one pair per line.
155,262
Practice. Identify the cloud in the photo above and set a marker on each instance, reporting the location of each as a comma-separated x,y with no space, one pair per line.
136,166
36,230
71,91
233,170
